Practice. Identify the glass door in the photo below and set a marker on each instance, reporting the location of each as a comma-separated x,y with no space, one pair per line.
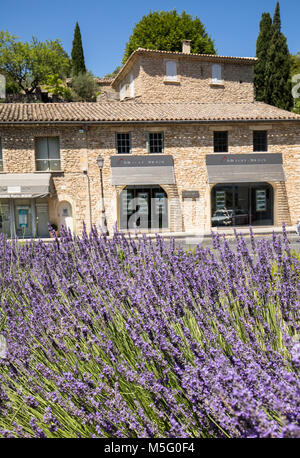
241,213
222,205
143,208
262,205
23,219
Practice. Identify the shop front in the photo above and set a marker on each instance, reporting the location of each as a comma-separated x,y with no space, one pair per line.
246,204
24,205
142,203
242,193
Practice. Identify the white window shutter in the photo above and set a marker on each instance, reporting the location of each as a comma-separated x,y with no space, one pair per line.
171,70
216,73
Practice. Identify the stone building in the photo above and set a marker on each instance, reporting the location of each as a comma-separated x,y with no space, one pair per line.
184,148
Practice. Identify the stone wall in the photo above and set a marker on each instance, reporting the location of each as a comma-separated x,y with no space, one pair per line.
194,81
79,180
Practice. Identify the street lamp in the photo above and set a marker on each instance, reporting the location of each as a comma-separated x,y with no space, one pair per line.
100,162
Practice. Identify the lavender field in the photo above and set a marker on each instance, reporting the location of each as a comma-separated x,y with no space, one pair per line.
138,338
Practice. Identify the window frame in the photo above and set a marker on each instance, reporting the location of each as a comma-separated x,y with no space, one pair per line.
168,78
148,142
218,132
260,142
37,160
215,80
116,142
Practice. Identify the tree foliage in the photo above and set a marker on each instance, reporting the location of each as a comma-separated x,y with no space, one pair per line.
262,46
30,64
78,64
274,80
296,81
165,30
84,87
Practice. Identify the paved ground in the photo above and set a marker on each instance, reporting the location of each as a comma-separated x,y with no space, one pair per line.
190,242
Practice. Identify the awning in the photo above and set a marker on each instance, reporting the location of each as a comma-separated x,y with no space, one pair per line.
142,170
244,168
24,185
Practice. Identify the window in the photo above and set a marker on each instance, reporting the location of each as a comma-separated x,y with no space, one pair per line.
123,90
47,153
260,142
155,142
131,85
221,142
242,204
216,74
171,70
123,143
1,159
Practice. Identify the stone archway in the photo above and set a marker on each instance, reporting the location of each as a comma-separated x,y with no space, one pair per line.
65,215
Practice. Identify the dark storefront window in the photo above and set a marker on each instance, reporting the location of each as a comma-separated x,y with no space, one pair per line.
143,208
220,142
242,204
260,140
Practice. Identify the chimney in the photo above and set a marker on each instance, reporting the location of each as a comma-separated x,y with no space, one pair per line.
186,46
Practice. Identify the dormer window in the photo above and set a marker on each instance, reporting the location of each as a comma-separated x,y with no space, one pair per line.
171,70
216,74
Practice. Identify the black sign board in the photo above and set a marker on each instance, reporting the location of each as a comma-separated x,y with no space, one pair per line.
244,159
151,160
190,194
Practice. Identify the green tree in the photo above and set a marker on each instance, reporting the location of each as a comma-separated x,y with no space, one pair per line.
84,87
165,30
55,85
78,64
262,46
30,64
295,71
278,88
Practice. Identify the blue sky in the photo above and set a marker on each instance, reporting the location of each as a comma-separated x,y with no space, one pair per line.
106,26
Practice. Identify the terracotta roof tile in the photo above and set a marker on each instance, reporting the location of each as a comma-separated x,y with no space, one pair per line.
134,111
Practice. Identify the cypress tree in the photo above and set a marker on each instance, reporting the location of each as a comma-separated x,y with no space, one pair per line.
78,65
278,88
262,46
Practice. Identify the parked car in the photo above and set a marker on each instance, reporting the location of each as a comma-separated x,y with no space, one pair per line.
298,227
222,217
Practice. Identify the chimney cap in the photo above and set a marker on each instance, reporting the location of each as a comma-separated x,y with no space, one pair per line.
186,46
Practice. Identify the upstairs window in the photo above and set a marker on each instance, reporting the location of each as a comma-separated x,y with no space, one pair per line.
1,158
155,142
47,153
171,70
122,91
216,74
131,85
221,142
123,143
260,140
